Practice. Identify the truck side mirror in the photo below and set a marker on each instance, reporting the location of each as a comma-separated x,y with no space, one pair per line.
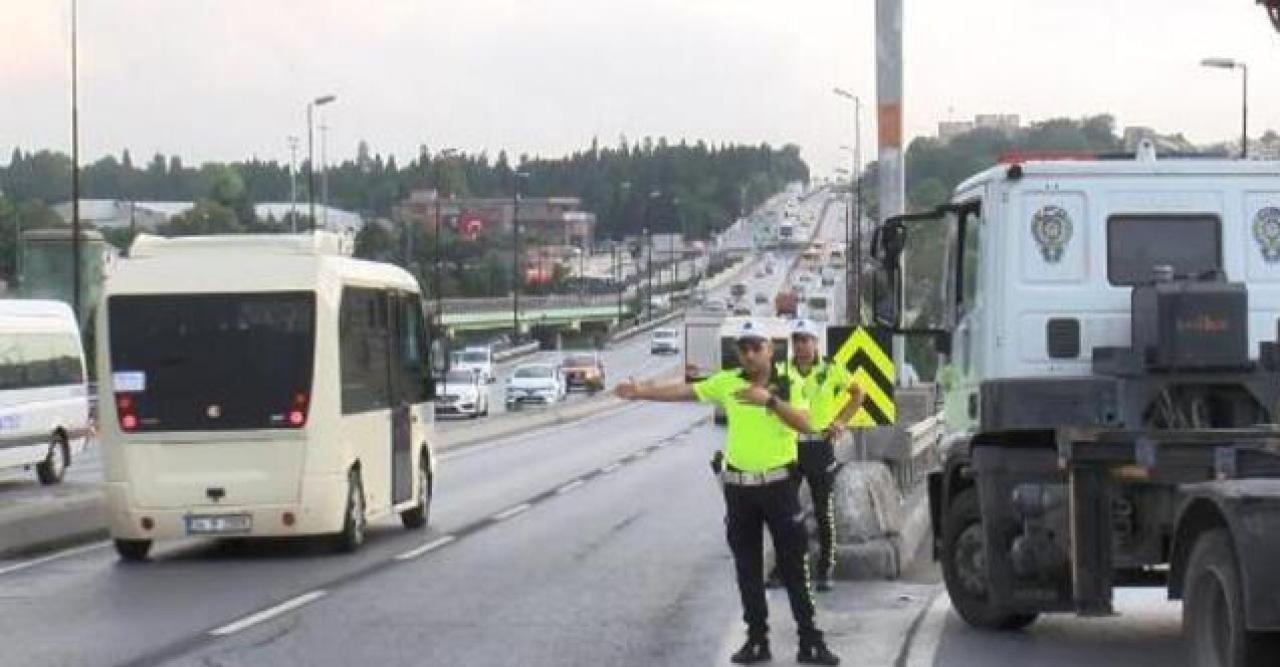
942,342
884,299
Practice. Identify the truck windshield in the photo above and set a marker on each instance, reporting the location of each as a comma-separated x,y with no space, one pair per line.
1190,244
207,362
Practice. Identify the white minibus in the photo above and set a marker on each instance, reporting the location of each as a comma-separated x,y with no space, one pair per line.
262,385
44,398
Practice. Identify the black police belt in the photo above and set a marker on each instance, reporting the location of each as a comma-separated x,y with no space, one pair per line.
812,439
772,476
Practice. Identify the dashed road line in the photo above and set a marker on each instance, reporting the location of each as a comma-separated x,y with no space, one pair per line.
429,546
577,483
268,614
18,567
512,511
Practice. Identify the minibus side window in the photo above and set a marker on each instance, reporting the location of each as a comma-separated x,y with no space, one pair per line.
414,370
363,341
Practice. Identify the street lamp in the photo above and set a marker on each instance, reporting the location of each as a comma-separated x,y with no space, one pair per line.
1228,63
516,177
853,233
648,242
439,287
75,169
311,153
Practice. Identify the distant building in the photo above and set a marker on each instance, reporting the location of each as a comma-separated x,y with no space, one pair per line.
950,129
1007,123
147,216
1166,144
549,221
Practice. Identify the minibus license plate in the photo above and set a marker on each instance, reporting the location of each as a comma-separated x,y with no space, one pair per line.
221,524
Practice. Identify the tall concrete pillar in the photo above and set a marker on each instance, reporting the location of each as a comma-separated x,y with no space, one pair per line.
889,106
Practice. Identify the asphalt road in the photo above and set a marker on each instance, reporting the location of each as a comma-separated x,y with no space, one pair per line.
1144,633
629,567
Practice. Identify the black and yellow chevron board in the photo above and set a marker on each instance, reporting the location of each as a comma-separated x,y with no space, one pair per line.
865,352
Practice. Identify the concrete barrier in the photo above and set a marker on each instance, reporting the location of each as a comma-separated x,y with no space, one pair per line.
881,506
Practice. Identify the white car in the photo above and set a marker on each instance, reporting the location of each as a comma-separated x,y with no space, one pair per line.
477,359
664,341
461,393
538,384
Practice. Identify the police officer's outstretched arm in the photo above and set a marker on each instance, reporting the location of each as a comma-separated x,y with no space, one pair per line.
635,391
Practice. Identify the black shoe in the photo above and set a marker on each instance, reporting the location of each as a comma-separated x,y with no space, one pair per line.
816,653
753,651
824,583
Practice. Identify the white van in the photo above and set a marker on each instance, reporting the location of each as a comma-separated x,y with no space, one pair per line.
262,386
44,399
478,360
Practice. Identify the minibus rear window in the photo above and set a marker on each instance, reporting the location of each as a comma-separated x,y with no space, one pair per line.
209,362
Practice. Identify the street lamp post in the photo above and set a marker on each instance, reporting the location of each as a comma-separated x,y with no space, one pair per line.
853,232
311,154
1228,63
75,167
515,253
439,272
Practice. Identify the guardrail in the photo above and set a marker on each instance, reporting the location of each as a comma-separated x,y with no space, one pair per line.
923,451
517,351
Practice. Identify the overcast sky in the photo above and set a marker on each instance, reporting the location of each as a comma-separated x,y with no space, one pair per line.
228,79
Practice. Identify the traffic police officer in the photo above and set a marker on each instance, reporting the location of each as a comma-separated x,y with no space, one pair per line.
823,385
761,484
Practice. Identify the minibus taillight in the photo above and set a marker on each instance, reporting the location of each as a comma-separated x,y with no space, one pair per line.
298,410
124,408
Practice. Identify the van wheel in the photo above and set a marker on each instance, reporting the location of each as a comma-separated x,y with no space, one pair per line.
54,466
416,518
353,519
964,567
1213,617
133,551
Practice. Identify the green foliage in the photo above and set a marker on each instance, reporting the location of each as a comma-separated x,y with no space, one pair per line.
206,217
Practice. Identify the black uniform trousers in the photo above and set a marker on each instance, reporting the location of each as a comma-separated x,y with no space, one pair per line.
749,510
818,467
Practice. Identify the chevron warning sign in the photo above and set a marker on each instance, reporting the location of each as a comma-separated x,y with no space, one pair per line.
864,351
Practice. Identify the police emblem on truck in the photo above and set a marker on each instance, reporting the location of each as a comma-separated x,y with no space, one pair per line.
1051,227
1266,231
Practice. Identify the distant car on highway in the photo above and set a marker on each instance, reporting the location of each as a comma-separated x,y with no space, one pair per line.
461,393
715,305
536,384
761,298
742,311
583,370
738,290
664,341
477,359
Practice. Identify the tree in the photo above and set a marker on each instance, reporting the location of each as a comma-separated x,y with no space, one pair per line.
206,217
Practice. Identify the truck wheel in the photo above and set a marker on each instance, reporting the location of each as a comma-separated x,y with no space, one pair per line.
1213,619
133,551
51,470
353,519
964,567
416,518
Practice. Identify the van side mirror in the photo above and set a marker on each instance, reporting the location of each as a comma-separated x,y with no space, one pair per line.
942,342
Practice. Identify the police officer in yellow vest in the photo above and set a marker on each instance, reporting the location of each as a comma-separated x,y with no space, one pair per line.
761,483
832,398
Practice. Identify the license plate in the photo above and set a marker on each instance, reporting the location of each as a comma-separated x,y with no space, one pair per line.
221,524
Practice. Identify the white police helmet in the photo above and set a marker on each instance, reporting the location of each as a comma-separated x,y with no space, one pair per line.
750,330
803,327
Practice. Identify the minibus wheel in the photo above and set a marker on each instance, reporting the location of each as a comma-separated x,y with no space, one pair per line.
353,519
54,465
416,518
133,551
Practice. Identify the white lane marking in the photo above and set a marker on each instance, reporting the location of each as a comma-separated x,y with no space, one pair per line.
570,486
18,567
511,511
610,468
429,546
268,614
924,648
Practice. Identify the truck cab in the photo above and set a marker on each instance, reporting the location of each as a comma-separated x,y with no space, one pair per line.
1107,336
